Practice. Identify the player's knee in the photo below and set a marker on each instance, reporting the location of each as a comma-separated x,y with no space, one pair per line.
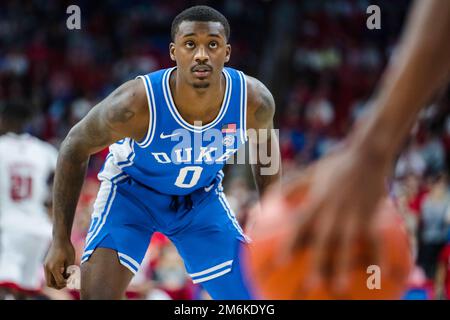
92,288
98,293
101,283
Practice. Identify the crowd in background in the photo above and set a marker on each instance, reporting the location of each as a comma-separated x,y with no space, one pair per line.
335,66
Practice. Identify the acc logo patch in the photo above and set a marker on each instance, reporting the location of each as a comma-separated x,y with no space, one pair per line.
228,141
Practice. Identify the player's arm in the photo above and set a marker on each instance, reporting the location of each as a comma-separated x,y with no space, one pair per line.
122,114
419,68
263,142
345,187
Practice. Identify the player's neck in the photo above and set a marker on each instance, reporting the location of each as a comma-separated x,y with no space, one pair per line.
197,104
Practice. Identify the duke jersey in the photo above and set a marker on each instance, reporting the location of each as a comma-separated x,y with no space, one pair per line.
176,157
25,166
171,182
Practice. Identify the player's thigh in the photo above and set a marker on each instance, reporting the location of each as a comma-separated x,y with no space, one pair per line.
103,277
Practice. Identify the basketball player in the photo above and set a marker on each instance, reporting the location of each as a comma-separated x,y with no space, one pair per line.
169,134
345,187
26,165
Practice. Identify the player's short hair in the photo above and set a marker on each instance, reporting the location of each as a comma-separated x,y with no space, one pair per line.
200,13
16,110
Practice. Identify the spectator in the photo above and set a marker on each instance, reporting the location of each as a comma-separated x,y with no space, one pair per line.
434,225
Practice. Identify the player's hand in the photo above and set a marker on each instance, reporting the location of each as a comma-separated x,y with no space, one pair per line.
342,192
60,256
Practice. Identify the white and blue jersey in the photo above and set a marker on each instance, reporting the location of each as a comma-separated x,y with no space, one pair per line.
176,157
176,161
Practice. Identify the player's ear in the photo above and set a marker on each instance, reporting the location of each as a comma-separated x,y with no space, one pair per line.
228,53
172,51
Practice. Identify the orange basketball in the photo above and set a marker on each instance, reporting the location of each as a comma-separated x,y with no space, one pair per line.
275,280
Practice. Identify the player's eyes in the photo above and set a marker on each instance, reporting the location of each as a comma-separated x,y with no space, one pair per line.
189,44
213,45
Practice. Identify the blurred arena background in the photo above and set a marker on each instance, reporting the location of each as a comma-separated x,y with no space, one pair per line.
317,57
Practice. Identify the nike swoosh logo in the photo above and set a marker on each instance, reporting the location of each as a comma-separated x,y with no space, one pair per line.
166,136
208,189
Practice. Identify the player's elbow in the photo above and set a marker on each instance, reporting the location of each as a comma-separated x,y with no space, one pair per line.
72,148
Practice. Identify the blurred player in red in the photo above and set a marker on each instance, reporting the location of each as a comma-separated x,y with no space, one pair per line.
346,186
26,168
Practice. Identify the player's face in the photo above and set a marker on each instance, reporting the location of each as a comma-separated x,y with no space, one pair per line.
200,51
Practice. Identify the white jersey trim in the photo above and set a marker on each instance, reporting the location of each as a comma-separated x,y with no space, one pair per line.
176,115
243,106
152,112
105,207
130,260
230,213
209,270
213,276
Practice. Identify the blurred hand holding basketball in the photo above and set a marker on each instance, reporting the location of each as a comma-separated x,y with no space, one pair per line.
342,192
288,278
318,238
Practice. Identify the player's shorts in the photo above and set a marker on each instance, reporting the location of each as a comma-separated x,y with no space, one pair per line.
207,236
21,258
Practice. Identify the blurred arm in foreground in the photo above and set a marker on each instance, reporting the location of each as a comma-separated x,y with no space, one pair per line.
345,187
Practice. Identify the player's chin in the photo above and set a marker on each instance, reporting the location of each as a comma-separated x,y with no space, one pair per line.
201,84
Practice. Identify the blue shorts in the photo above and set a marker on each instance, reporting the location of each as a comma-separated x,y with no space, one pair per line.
206,233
